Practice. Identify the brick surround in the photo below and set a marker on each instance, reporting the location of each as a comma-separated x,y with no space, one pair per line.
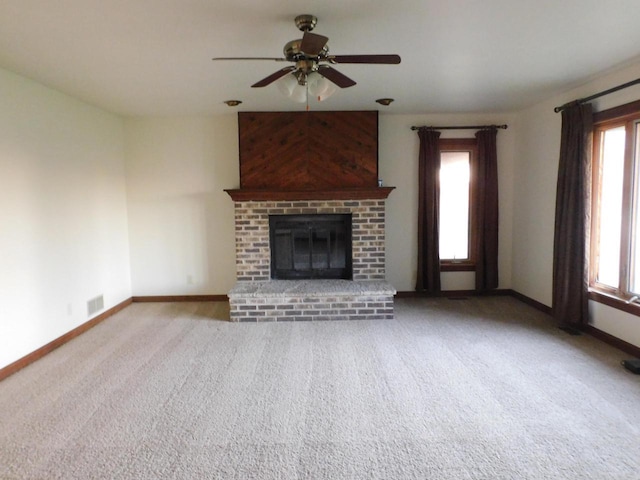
252,234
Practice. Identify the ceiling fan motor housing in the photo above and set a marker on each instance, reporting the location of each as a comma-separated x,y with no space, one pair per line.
293,53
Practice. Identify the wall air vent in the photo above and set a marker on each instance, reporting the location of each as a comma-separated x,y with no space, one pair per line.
95,305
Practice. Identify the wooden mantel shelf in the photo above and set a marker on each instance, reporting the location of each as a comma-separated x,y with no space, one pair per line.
246,195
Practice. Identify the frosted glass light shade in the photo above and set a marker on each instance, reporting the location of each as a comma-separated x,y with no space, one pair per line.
290,87
317,87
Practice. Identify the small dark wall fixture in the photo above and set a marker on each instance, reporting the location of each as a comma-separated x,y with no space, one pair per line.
310,246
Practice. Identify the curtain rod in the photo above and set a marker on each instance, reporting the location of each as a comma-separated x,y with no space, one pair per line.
596,95
472,127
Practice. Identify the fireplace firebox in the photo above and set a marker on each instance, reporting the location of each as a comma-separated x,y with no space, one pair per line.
310,246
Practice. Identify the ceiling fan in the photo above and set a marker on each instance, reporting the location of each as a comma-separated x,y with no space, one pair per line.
311,54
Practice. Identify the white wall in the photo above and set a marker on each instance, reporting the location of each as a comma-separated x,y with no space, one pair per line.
398,166
180,219
63,219
536,169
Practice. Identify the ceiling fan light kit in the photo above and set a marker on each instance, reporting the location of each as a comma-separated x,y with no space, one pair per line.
384,101
312,70
316,86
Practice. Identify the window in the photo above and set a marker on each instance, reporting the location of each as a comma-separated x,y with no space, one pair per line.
615,215
457,232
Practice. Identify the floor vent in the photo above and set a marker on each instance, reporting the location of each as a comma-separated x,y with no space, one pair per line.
95,305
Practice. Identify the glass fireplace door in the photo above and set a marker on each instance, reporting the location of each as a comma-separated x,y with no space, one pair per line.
310,246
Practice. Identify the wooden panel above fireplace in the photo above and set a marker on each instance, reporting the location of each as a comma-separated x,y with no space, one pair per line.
308,151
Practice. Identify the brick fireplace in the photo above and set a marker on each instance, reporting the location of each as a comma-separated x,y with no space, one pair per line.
258,298
277,180
252,234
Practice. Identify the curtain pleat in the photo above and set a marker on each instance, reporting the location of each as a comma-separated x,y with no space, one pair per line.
486,204
428,278
570,252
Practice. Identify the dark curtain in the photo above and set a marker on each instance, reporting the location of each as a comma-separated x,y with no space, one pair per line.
570,260
428,211
486,204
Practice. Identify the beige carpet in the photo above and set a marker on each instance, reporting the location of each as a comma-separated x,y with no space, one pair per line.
484,388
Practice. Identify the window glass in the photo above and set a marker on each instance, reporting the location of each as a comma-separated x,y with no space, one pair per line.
454,205
635,278
611,188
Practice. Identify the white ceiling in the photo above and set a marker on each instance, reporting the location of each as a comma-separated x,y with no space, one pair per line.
153,57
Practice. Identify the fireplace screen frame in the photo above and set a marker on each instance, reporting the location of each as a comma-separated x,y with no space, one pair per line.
324,239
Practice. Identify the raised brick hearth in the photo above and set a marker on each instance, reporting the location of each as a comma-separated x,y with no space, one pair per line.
304,300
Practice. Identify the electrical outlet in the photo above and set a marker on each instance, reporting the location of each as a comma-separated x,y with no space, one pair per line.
189,279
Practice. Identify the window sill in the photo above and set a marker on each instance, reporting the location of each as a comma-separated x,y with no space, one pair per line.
614,302
457,267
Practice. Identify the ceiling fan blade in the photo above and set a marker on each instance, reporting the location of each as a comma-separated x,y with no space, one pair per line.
273,77
312,43
250,58
381,59
335,76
